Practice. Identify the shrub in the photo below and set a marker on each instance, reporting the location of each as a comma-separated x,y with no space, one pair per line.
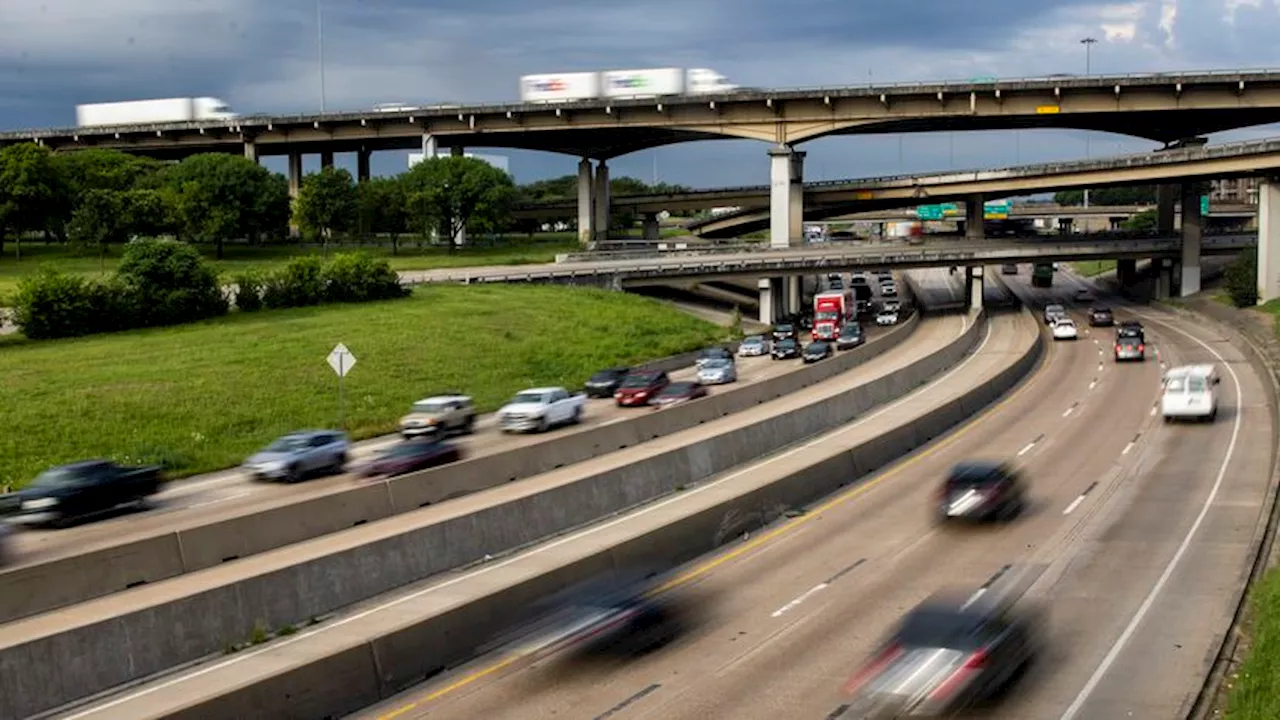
357,277
1241,279
249,290
51,304
169,283
298,284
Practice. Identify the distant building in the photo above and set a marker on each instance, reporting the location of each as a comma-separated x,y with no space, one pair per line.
502,162
1236,191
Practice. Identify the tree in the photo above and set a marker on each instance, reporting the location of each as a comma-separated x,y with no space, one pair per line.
452,194
1134,195
31,191
217,197
326,202
1241,279
1145,221
100,219
167,282
382,209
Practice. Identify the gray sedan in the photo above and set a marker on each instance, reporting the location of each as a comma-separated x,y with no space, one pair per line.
717,372
299,455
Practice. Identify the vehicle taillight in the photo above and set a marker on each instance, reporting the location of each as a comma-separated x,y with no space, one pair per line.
972,666
1117,348
1141,347
873,668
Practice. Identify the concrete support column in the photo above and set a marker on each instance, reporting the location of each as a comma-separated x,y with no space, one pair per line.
1126,272
326,159
652,231
362,165
461,237
602,202
295,174
586,197
1164,279
1268,240
251,151
767,300
973,279
428,146
793,285
1166,196
786,196
1192,229
974,218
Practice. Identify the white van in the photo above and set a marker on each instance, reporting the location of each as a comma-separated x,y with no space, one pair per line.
1190,391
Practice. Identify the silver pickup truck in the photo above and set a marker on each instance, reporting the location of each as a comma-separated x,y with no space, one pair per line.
540,409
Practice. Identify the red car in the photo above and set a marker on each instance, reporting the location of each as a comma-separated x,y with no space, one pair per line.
412,456
678,392
638,388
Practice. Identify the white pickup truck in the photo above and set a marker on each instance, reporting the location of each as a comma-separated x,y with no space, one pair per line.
540,409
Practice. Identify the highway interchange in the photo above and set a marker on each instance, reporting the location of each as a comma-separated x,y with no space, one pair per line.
1146,529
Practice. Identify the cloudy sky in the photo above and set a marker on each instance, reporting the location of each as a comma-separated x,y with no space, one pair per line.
263,57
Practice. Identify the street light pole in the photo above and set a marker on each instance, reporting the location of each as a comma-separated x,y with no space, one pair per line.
1088,43
320,50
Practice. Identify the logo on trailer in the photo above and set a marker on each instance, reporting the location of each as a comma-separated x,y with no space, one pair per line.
628,82
547,85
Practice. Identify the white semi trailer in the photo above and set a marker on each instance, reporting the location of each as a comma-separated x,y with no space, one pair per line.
622,84
138,112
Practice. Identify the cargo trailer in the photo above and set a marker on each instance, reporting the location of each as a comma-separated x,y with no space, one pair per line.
141,112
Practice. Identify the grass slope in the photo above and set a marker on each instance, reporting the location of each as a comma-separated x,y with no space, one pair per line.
203,396
1090,268
1255,690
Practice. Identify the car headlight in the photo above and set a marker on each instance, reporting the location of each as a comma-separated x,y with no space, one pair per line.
39,503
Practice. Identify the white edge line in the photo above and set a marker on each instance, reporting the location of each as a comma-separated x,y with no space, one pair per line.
1068,412
1026,449
1149,601
543,548
807,594
1074,504
1127,449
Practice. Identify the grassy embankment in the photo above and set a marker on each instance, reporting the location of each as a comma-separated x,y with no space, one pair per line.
203,396
1092,268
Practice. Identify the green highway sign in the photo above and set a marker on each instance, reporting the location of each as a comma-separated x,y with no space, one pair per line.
1204,204
929,212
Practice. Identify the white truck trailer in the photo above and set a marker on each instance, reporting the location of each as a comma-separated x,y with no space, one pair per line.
622,84
138,112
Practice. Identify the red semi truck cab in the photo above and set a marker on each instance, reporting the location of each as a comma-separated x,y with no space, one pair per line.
830,311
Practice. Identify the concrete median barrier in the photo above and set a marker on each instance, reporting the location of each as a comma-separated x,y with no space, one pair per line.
343,674
35,588
289,585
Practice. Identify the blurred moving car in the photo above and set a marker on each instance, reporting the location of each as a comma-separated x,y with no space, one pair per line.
638,388
411,456
79,490
887,317
1130,348
946,655
300,455
540,409
6,552
1083,296
753,346
618,613
1009,269
1131,329
678,392
439,415
1053,312
782,331
815,351
713,353
605,383
1065,329
717,372
1101,317
850,336
786,349
1190,393
981,491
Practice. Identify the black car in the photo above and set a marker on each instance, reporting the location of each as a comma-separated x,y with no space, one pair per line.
605,383
69,492
1009,269
981,491
1130,348
411,456
850,337
1131,329
782,331
948,654
786,349
815,351
1101,317
617,614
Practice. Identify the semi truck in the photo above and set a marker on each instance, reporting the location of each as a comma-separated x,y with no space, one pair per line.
622,84
1042,275
136,112
830,311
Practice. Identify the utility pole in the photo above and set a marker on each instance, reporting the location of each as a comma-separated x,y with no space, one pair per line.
1088,43
320,50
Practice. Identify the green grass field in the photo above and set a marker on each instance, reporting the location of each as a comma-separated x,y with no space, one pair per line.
1090,268
1255,691
515,251
203,396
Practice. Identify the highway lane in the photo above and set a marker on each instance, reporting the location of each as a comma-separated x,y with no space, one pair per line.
230,493
794,618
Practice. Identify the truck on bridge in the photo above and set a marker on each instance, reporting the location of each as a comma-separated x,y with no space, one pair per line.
622,84
141,112
1042,275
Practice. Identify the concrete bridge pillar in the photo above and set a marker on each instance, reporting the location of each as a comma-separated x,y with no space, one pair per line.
652,231
251,151
973,281
1164,279
586,196
770,294
1166,196
461,238
602,202
326,159
1126,272
1192,229
794,285
786,196
362,165
1268,240
295,174
428,146
974,218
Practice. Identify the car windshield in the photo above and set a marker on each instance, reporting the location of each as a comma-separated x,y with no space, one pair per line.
55,478
786,344
850,332
1130,341
1175,385
717,364
784,328
430,407
1196,385
1053,309
817,347
714,353
826,315
409,449
678,389
753,340
289,443
636,380
938,628
528,397
606,375
1101,311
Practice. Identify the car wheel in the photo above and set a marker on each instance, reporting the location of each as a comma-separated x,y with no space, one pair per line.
577,416
340,463
469,426
294,474
543,425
